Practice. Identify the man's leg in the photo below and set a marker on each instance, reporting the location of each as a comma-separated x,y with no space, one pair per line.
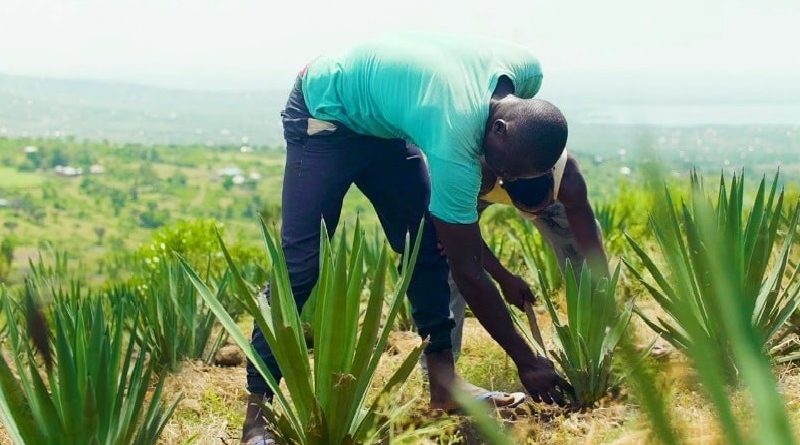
319,170
458,309
552,223
318,174
396,183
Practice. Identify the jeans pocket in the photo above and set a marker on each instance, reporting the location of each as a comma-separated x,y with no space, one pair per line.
295,129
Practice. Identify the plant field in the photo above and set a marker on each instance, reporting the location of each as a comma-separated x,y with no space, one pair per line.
129,295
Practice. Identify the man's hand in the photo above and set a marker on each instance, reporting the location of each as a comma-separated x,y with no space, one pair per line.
543,383
516,291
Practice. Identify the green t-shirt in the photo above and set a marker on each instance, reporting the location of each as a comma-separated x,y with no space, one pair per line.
429,89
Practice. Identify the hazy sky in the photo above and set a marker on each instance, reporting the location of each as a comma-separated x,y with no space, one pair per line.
260,44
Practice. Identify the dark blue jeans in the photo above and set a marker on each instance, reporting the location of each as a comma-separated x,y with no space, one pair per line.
322,160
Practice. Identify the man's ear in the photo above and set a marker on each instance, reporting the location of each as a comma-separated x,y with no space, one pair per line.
500,126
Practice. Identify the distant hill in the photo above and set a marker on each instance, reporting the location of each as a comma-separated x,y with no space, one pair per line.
121,112
31,106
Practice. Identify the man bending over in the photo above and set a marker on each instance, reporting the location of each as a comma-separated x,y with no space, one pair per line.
558,205
347,121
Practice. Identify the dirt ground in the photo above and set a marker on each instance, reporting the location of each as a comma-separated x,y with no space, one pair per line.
212,408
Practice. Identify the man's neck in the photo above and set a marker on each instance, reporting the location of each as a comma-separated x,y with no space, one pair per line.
504,87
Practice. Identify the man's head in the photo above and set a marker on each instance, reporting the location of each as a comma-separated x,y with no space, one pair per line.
524,137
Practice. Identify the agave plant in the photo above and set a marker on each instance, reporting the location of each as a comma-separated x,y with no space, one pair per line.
710,283
175,324
539,256
93,389
749,243
613,221
329,402
586,343
374,246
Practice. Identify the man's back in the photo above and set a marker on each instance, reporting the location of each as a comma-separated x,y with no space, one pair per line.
433,90
394,86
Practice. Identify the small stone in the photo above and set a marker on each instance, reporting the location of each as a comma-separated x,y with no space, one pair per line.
229,355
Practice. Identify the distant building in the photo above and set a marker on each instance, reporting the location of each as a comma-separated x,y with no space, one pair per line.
254,176
97,169
230,172
66,170
238,179
3,202
30,149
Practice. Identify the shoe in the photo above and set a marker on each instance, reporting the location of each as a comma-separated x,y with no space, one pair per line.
254,429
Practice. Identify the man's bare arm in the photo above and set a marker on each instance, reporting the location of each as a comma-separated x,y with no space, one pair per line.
515,290
463,245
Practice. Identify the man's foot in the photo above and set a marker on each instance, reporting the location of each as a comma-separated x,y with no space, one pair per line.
441,378
254,429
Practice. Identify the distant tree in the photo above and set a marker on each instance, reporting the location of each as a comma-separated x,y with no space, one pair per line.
227,183
85,159
58,157
147,174
270,212
35,159
118,198
100,231
7,249
178,178
6,258
49,192
86,184
5,270
10,225
153,217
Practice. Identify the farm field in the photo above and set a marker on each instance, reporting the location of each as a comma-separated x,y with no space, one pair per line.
706,354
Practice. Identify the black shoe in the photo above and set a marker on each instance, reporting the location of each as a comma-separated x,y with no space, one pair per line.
254,429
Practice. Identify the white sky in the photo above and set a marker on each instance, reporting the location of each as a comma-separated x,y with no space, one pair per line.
261,44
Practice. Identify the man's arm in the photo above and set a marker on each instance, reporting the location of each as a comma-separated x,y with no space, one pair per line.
464,246
573,195
515,290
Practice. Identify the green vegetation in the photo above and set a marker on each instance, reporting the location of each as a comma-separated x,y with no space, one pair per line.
770,295
539,256
94,390
589,338
98,254
328,399
176,325
726,264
